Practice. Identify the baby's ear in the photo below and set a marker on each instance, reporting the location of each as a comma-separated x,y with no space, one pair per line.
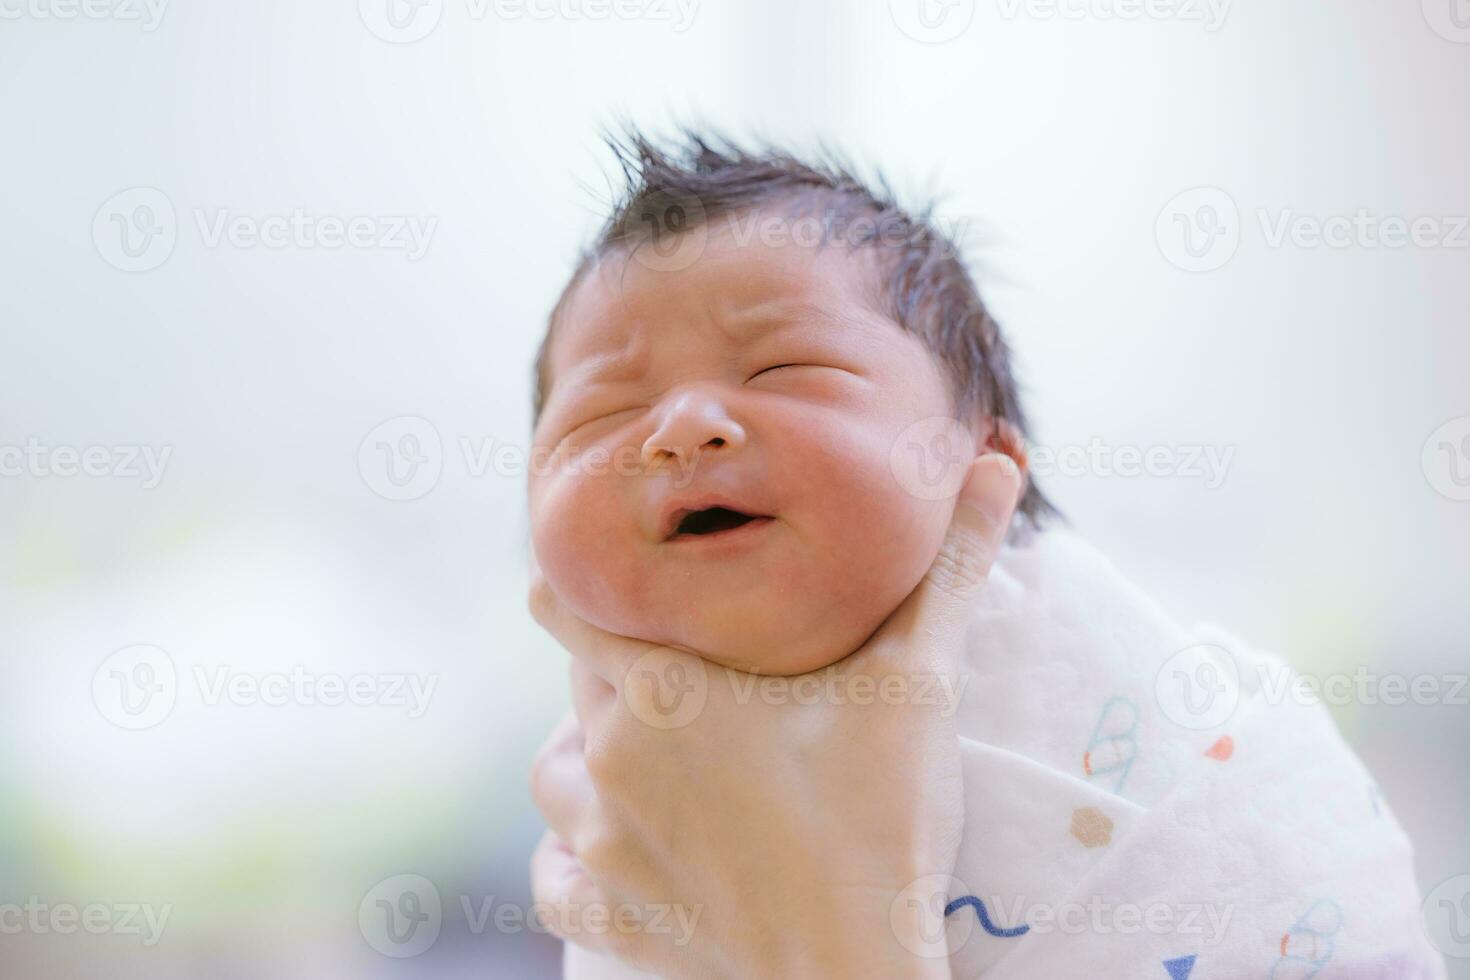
996,435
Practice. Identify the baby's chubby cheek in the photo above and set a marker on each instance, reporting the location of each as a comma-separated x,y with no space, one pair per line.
852,540
869,543
584,544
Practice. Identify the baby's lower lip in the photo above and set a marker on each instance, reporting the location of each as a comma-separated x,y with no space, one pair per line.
728,534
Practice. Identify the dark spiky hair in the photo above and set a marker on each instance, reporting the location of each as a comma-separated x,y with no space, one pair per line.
669,187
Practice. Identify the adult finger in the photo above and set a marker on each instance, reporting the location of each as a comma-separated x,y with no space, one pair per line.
607,654
941,603
592,697
560,785
562,890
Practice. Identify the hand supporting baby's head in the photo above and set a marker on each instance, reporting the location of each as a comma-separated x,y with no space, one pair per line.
759,392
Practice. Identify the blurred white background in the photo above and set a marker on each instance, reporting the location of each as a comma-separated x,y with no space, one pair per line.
1339,534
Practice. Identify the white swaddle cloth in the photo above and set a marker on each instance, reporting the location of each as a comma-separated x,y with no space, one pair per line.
1144,801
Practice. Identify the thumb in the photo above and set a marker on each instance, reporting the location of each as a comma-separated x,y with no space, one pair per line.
940,605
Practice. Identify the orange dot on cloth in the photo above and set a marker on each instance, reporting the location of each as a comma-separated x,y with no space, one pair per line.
1223,748
1092,827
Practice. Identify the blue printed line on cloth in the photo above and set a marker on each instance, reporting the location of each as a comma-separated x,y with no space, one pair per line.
984,917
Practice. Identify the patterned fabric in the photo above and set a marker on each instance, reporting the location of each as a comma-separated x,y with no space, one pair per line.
1148,801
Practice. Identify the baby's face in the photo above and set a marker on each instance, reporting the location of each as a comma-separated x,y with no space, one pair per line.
722,439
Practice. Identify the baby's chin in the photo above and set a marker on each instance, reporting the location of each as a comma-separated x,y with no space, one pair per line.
774,648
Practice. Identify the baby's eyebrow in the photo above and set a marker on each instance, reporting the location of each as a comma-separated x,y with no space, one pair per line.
622,366
752,322
741,324
625,363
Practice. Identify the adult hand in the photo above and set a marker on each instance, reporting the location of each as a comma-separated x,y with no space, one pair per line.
710,823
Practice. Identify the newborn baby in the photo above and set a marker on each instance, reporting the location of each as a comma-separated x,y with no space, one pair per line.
740,407
759,393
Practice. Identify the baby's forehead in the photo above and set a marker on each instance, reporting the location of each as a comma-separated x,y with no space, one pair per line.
740,290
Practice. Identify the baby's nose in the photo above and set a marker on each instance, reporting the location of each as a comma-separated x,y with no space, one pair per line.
692,424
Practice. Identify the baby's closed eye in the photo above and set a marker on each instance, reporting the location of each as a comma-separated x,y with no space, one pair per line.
777,367
594,422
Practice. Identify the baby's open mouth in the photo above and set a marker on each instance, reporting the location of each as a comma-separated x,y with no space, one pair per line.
713,520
